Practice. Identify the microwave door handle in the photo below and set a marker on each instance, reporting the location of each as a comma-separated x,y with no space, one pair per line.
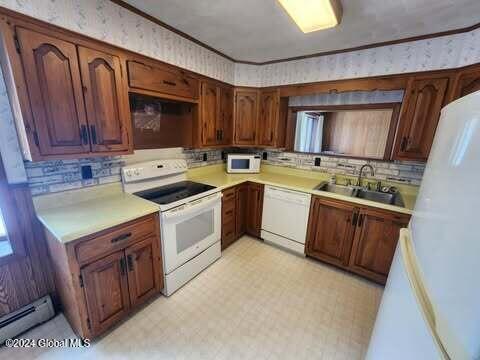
193,209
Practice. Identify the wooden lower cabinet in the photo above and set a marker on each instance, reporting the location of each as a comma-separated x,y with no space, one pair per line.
106,291
241,212
330,243
142,275
255,208
375,241
359,239
102,278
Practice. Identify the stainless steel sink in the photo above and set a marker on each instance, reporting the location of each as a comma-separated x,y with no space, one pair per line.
385,198
361,193
337,189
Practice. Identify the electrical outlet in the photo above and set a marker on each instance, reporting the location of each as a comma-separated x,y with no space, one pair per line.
86,172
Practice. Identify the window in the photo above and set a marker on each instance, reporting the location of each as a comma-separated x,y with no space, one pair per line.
11,234
5,247
363,131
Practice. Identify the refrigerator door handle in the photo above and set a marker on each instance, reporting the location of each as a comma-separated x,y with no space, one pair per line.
419,290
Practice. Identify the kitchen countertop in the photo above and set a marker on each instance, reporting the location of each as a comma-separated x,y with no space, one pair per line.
75,214
72,215
294,179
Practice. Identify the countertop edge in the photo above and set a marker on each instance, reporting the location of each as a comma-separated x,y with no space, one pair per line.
325,194
77,235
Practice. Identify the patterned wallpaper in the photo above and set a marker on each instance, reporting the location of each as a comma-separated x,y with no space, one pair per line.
107,21
9,147
104,20
422,55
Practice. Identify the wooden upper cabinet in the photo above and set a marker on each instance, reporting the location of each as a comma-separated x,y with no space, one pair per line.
375,242
106,291
210,103
225,119
424,98
216,113
330,231
466,82
106,101
246,113
162,79
52,77
143,275
254,208
268,117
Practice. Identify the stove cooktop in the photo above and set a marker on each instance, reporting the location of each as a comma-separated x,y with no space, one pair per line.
174,192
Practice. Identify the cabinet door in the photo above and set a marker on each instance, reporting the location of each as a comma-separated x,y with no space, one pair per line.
106,101
52,76
375,241
421,110
106,291
254,209
210,113
225,124
467,81
241,210
268,118
246,112
143,272
330,231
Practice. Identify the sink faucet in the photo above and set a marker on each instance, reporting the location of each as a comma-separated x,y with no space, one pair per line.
359,181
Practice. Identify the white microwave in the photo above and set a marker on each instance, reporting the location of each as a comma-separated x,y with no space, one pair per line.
243,163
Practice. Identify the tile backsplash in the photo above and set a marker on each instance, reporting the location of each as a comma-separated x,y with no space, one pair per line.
397,171
55,176
61,175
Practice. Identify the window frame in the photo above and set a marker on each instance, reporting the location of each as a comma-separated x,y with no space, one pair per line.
387,156
11,213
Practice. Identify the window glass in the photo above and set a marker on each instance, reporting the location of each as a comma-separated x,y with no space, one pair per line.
5,248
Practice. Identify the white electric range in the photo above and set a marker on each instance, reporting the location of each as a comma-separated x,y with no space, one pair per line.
190,217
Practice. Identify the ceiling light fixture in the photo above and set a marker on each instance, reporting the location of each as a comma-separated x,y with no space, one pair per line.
314,15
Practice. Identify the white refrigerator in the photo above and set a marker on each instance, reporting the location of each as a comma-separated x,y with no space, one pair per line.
430,308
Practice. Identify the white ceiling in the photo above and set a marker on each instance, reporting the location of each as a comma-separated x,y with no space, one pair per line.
260,30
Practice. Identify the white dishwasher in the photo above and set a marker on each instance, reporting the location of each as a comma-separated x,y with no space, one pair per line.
285,218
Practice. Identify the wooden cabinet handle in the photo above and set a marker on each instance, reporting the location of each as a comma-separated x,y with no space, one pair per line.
404,143
171,83
360,221
122,267
84,134
355,218
130,263
229,212
93,134
121,237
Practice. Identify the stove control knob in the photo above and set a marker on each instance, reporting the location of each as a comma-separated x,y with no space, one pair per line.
136,172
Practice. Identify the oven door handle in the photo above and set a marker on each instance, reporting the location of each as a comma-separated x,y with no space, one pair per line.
193,207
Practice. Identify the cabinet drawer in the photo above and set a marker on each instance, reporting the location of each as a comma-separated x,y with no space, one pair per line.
162,79
229,194
228,211
115,239
228,233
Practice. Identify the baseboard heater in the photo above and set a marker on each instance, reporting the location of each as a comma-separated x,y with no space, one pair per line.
25,318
